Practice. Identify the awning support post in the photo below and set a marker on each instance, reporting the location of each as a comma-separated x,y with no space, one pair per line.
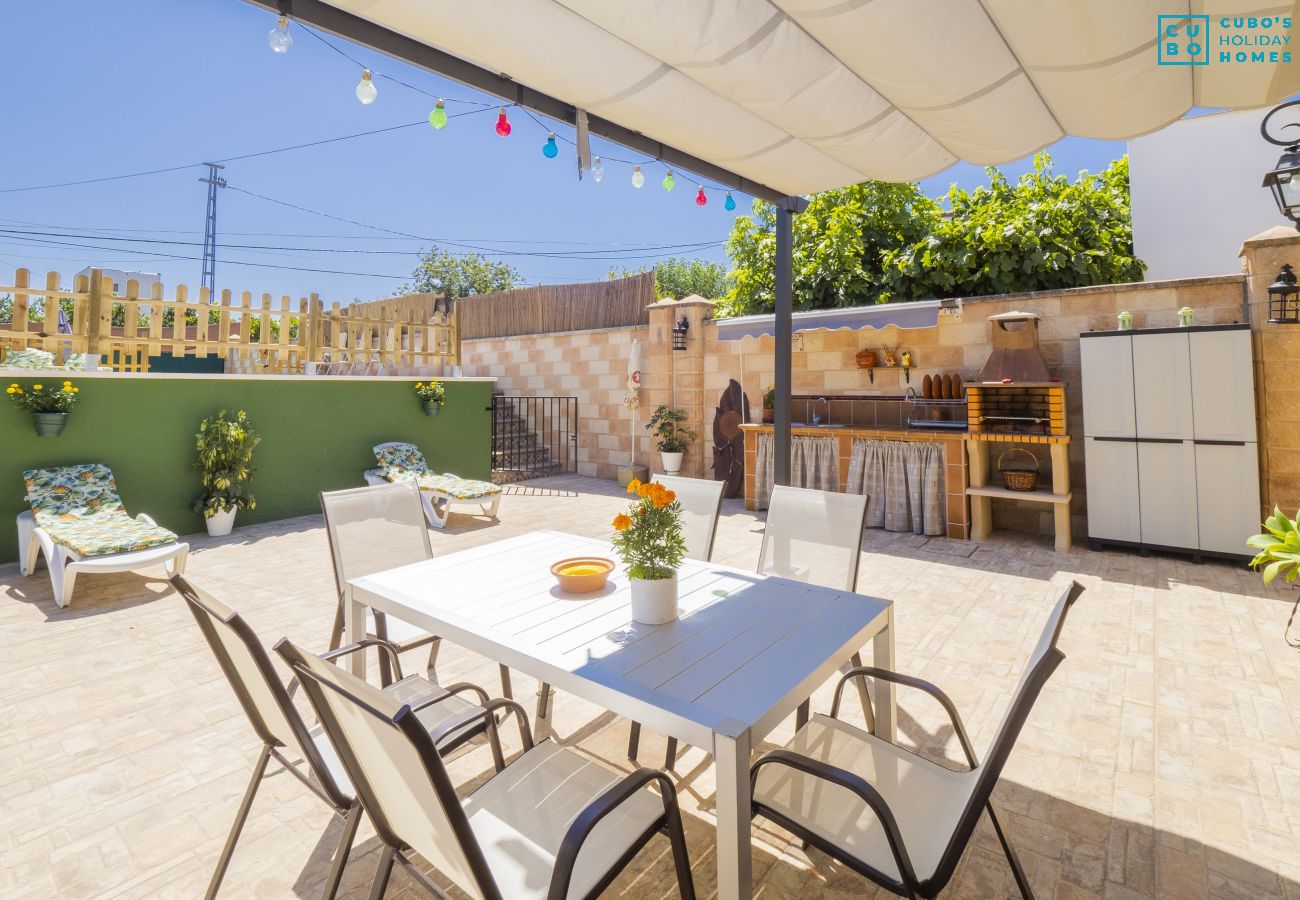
784,326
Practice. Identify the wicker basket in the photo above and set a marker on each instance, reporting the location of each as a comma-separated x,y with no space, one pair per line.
1018,478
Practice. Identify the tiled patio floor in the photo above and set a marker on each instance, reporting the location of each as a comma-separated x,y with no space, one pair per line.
1163,759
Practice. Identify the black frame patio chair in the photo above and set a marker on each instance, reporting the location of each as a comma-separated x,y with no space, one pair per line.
552,824
269,706
889,814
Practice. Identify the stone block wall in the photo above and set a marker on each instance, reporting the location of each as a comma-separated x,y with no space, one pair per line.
588,365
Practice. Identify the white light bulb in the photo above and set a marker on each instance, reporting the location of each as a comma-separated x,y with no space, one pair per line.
637,178
279,38
597,170
366,90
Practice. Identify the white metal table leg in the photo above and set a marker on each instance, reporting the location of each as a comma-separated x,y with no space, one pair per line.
354,618
882,656
731,764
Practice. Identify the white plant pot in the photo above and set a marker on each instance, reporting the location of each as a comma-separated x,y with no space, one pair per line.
672,462
222,523
654,602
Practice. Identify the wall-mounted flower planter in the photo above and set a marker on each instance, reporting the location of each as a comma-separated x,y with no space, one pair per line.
49,424
431,407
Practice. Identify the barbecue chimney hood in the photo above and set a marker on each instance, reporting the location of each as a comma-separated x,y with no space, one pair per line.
1014,336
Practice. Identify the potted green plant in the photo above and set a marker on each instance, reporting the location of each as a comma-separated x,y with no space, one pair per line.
648,538
672,436
225,454
432,395
1279,554
769,403
49,405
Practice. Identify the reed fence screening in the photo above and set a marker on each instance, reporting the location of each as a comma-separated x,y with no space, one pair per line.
551,308
281,336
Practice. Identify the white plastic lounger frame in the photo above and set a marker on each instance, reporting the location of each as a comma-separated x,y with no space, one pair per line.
65,564
437,505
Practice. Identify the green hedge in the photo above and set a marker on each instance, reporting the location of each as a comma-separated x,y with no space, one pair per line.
316,436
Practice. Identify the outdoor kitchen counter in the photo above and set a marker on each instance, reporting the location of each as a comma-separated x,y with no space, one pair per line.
955,476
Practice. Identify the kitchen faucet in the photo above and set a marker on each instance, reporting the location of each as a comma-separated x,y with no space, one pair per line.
816,420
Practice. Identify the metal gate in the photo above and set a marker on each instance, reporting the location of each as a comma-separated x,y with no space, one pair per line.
533,437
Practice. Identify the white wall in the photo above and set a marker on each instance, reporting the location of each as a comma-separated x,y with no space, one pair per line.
120,278
1196,194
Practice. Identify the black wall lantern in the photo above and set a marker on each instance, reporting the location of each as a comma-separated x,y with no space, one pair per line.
1284,299
1284,180
679,334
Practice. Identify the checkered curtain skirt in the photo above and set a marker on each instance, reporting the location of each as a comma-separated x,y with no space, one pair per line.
904,483
813,464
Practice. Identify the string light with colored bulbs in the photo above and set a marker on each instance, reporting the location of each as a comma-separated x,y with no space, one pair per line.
279,39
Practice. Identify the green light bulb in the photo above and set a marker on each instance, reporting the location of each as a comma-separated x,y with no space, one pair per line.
669,183
438,118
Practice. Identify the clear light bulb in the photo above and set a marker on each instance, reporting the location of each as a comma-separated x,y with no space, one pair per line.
503,124
279,38
549,149
597,170
438,118
638,178
700,199
669,181
730,205
366,90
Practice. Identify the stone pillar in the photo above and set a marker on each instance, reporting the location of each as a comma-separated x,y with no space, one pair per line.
677,377
1277,360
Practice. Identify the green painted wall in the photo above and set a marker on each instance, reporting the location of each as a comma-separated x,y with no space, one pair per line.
316,436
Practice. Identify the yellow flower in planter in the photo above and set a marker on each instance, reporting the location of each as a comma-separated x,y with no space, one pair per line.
622,522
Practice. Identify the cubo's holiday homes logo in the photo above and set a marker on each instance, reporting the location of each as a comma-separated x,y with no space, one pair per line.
1188,41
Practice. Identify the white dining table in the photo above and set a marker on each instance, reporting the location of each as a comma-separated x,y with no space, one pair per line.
746,650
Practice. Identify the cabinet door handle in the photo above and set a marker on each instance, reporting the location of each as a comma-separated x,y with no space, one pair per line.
1220,443
1143,440
1130,440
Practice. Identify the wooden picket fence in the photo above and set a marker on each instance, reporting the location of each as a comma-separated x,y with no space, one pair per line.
414,332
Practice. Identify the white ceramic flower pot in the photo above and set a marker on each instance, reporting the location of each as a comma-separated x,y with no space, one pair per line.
222,523
672,462
654,602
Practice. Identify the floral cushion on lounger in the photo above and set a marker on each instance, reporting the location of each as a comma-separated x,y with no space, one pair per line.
404,462
78,507
29,359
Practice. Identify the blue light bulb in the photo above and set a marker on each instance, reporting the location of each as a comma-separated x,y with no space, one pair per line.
730,205
549,149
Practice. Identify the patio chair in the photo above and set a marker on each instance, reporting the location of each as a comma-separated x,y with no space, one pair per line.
371,529
701,502
398,461
893,816
78,521
552,824
270,710
814,537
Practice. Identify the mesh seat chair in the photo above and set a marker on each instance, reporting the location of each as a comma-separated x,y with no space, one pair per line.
275,719
814,537
701,502
371,529
551,824
895,817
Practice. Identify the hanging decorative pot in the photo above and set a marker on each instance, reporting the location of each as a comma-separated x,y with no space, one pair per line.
49,424
431,407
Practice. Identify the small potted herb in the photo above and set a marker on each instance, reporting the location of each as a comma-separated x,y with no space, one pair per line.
432,395
225,455
672,436
769,403
48,405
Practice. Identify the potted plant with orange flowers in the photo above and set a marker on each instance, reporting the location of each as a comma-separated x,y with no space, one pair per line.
648,538
49,406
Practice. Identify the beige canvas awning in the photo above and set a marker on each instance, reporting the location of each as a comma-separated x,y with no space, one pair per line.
805,95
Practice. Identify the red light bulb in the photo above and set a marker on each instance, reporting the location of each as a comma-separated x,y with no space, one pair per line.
503,124
700,199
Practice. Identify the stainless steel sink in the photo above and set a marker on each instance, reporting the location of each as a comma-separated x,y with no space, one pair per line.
815,425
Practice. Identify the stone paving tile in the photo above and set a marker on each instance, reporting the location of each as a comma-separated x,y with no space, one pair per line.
1162,760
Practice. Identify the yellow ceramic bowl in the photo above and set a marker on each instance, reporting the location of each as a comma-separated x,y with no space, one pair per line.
582,574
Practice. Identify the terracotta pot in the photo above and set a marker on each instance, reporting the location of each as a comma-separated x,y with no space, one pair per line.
769,415
866,359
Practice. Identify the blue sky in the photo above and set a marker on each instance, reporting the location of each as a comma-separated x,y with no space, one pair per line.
108,87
